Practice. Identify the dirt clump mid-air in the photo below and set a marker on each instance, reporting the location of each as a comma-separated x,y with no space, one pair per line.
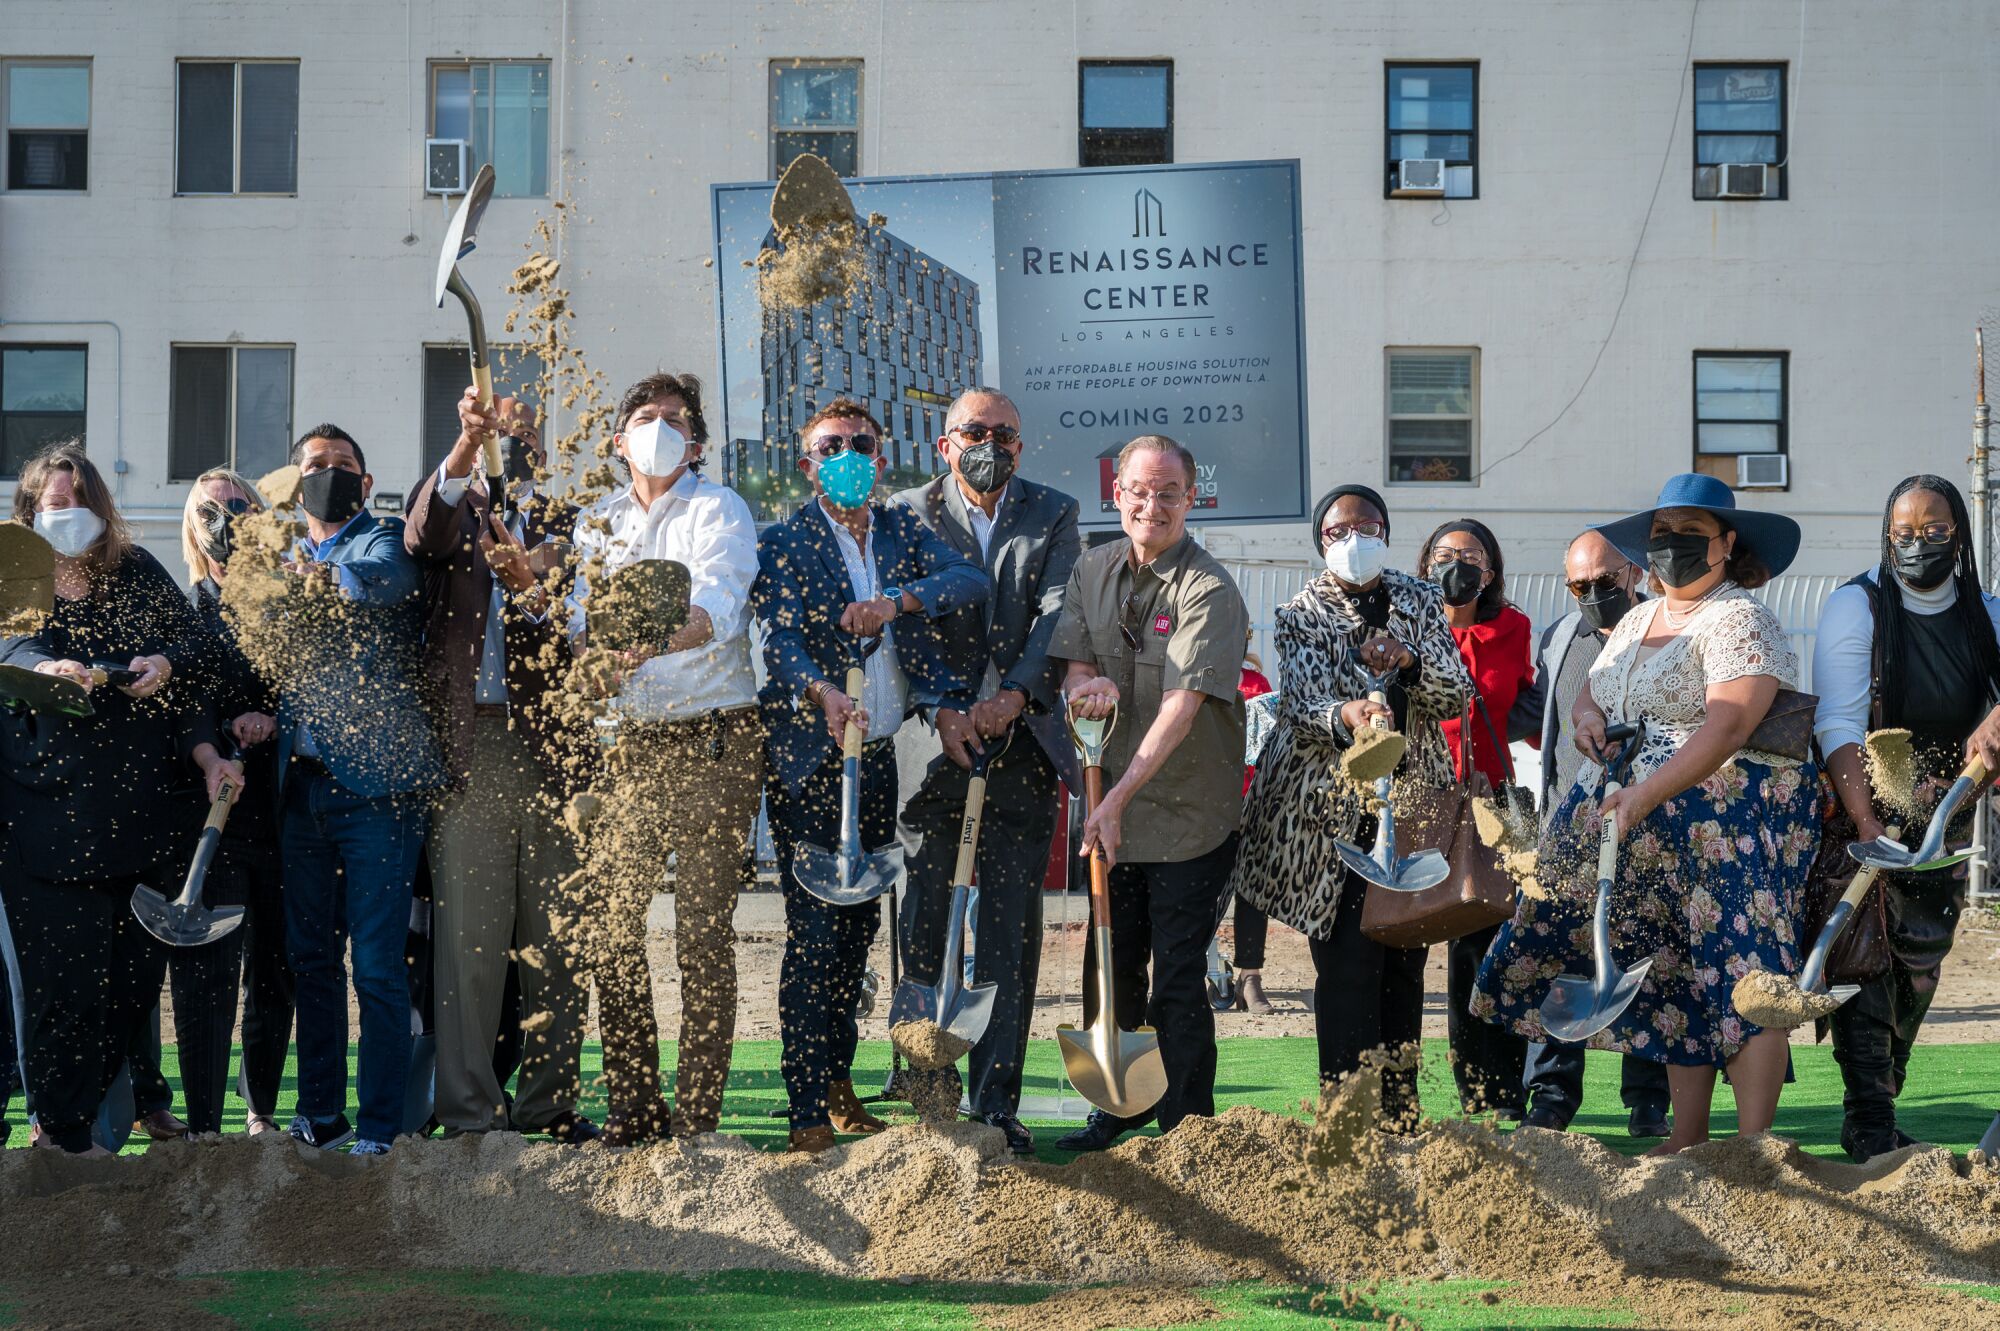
1890,760
1769,999
926,1044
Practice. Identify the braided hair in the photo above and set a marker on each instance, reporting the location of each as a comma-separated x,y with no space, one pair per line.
1969,608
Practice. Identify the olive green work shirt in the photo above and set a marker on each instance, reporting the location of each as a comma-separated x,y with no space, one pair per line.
1191,627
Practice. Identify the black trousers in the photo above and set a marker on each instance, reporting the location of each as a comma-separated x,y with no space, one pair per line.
267,974
1253,926
1365,997
1874,1031
1487,1059
1165,914
10,1049
1018,823
1553,1079
89,976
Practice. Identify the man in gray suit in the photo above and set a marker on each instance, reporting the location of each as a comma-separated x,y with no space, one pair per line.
1025,536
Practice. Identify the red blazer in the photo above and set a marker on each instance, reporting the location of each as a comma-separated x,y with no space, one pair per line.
1499,655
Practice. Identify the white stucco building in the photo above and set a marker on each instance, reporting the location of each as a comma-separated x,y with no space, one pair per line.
228,280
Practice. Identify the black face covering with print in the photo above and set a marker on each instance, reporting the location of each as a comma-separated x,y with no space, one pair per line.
1678,558
1460,582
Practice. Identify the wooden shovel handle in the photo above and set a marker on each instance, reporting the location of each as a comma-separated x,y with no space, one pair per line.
1381,720
1100,872
851,743
218,812
489,447
968,834
1975,771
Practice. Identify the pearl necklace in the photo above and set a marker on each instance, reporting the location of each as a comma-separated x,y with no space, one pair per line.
1678,620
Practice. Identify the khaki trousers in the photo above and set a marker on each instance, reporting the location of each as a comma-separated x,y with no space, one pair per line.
498,853
689,787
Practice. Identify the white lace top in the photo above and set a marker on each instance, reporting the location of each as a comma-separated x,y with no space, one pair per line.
1732,635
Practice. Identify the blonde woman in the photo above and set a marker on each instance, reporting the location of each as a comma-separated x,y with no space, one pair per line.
247,870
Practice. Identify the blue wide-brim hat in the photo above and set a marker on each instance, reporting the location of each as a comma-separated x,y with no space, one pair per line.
1773,536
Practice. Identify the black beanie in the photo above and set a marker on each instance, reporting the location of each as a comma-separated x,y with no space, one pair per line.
1333,496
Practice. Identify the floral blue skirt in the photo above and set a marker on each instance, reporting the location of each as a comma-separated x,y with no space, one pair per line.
1710,886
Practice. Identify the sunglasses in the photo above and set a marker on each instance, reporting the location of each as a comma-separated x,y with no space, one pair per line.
1128,621
975,433
1601,584
833,445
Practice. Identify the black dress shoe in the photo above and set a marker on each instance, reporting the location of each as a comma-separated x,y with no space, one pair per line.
1553,1117
1099,1132
1019,1140
1864,1144
1649,1121
569,1128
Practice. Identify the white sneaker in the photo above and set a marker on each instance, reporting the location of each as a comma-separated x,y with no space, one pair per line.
363,1146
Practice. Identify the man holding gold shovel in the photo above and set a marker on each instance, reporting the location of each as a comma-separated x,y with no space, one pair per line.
1154,626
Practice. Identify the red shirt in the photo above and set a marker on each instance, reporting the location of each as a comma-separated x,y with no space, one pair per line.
1498,654
1251,685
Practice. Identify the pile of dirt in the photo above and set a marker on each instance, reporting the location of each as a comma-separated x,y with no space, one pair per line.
1099,1308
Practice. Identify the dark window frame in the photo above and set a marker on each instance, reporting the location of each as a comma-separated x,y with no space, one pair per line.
1783,165
492,64
8,129
83,426
1697,420
505,358
1475,418
1084,130
773,129
236,112
179,473
1389,132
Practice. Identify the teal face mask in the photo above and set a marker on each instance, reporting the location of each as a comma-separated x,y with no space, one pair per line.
847,479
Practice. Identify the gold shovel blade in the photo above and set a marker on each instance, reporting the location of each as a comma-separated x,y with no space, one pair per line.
1121,1072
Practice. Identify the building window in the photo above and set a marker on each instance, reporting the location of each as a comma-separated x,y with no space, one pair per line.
910,427
1433,115
1125,112
500,108
231,407
1739,117
42,390
47,114
448,373
816,108
1740,407
238,127
1433,414
906,350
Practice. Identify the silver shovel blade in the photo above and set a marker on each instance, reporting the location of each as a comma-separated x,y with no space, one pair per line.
1887,853
913,1002
1840,993
460,237
1577,1007
182,926
1414,873
970,1013
840,880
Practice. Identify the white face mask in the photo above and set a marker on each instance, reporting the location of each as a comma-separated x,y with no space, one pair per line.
655,448
1357,560
70,531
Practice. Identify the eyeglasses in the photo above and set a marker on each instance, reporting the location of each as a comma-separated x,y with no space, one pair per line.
1168,499
1444,557
975,433
833,445
1601,584
1936,533
1340,531
1128,621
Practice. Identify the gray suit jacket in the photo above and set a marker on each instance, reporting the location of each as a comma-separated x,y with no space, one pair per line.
1035,541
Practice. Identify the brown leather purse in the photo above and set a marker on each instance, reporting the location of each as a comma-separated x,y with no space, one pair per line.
1787,728
1477,893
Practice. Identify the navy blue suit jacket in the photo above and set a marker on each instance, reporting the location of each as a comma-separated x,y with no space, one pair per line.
802,586
363,694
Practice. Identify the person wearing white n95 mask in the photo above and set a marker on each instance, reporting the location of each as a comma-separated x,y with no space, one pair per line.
655,448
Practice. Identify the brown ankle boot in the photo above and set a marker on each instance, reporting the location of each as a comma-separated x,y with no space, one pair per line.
847,1112
1250,993
812,1141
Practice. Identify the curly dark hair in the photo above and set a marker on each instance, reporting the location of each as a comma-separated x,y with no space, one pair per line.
664,384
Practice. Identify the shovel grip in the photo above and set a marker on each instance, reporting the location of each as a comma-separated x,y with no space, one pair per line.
1381,720
1975,771
1607,849
218,812
968,836
851,744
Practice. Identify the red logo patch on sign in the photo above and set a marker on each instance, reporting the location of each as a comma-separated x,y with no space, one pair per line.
1162,624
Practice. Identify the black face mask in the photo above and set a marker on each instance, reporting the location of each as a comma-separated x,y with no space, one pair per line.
985,467
1923,567
1679,559
520,459
1603,611
213,534
1460,582
332,494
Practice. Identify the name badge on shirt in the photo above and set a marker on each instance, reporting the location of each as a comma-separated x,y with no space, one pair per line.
1162,624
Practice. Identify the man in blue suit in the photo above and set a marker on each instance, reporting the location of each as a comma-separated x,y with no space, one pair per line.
843,569
358,767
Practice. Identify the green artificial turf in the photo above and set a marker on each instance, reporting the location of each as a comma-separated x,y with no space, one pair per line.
1951,1096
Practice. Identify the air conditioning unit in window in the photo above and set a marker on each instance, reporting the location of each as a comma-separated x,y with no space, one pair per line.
445,166
1419,177
1762,471
1744,180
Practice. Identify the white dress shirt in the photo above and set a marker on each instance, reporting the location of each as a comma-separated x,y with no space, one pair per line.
1844,656
982,526
885,693
708,528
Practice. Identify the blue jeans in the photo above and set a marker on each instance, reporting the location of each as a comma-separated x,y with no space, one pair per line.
349,863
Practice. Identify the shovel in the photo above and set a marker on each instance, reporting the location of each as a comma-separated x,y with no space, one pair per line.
1382,866
1121,1072
1812,979
1577,1008
184,921
49,694
849,876
961,1009
1885,852
459,241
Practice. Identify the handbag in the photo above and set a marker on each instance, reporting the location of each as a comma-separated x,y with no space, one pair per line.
1787,728
1861,953
1476,894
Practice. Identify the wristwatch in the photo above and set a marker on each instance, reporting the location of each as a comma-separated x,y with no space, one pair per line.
895,595
1022,689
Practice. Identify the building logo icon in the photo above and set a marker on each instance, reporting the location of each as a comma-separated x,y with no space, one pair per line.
1148,217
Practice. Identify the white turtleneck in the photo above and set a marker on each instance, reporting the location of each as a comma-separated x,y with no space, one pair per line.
1844,651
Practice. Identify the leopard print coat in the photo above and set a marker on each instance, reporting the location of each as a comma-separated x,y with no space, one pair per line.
1297,808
